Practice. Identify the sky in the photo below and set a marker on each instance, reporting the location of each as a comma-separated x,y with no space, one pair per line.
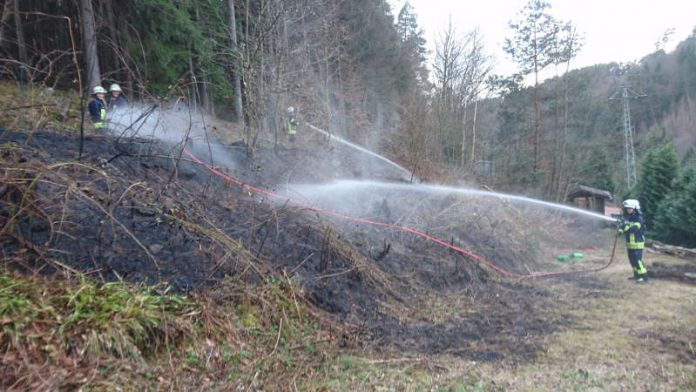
614,30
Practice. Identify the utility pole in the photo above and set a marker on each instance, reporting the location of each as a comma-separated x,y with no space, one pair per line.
625,94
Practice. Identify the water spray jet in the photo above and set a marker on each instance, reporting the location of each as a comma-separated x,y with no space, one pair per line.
409,175
310,192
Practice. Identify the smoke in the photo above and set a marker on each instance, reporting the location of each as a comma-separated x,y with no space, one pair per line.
173,123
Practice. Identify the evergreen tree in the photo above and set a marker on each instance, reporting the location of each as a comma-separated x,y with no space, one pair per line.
413,53
598,171
686,58
675,219
167,36
660,171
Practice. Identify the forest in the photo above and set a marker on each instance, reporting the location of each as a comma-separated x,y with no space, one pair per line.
136,263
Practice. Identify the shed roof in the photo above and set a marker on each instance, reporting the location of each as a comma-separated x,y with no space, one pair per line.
586,191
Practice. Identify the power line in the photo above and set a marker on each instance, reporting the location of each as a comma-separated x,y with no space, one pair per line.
626,94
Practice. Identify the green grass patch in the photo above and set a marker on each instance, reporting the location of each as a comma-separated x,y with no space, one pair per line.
86,317
138,337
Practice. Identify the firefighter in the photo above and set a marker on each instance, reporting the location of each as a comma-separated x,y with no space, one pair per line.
632,226
97,107
291,124
116,100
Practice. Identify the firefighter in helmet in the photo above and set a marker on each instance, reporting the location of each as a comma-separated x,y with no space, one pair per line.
291,124
632,226
116,100
97,107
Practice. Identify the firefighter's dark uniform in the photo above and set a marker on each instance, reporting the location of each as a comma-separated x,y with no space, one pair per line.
97,111
116,102
634,230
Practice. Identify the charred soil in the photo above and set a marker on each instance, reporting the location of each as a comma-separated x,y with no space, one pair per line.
138,210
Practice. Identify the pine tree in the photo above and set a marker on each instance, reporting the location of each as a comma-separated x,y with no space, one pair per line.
660,170
675,219
412,50
598,171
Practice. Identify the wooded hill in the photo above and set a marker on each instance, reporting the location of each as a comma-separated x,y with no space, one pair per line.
359,69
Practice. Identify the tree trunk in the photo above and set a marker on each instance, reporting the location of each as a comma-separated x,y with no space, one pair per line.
537,106
243,67
3,22
537,122
119,74
21,46
564,136
123,75
236,69
193,90
463,151
473,135
553,158
201,85
89,35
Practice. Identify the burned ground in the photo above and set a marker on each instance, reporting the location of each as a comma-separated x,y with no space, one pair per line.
130,210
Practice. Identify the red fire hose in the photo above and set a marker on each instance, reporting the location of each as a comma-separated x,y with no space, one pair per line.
467,253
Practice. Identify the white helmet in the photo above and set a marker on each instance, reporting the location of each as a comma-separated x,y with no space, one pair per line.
98,90
291,110
115,87
631,203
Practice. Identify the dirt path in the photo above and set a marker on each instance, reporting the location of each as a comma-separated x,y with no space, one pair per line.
624,336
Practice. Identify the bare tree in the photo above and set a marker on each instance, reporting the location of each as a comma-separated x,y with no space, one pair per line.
532,48
448,71
89,36
478,66
236,82
569,45
461,67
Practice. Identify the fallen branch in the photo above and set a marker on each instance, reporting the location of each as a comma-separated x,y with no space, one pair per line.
280,330
22,107
672,249
394,360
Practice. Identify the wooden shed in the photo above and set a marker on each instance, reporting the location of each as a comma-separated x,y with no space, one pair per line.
589,198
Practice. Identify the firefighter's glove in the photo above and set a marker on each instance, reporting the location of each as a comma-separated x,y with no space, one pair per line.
622,229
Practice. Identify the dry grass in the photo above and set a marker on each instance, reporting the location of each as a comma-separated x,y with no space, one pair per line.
59,333
38,108
630,337
622,337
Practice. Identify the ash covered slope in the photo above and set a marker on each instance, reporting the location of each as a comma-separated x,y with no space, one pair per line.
129,211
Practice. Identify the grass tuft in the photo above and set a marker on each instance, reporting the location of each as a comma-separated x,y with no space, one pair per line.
55,332
86,319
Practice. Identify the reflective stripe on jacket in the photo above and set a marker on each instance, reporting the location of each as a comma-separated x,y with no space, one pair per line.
97,111
292,126
634,229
